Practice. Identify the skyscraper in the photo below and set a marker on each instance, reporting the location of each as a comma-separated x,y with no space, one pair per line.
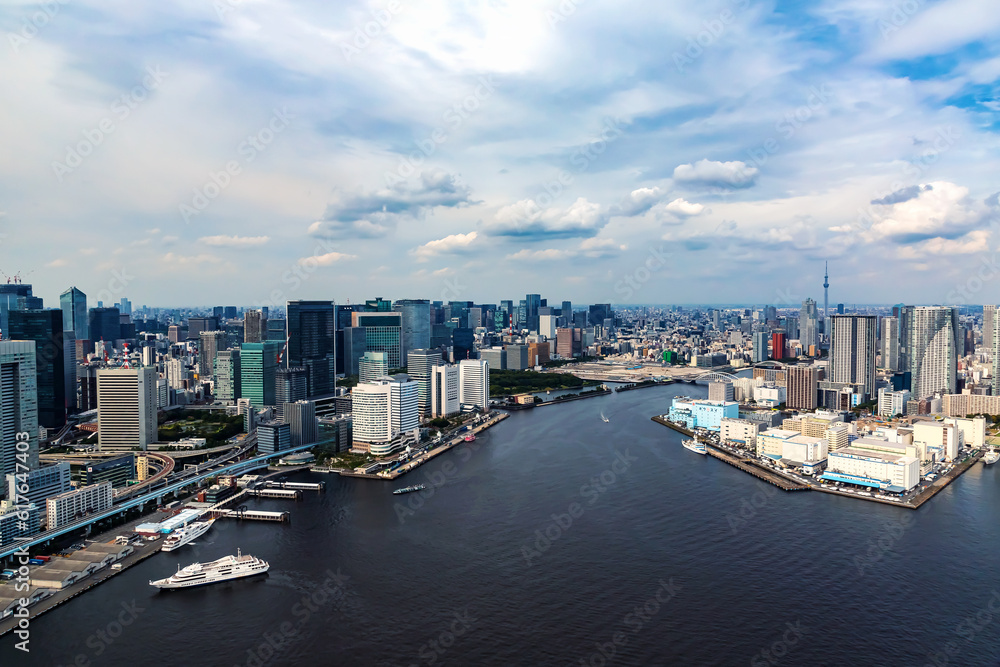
372,366
890,343
227,375
18,406
45,328
105,324
531,303
416,325
420,366
802,383
778,345
209,345
312,337
928,349
444,391
383,333
126,408
290,386
73,304
474,383
258,372
759,347
254,327
852,351
808,325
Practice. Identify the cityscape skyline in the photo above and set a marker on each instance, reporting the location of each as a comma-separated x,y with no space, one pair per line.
434,152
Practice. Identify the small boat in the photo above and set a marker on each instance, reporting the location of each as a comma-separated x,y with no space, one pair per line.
695,446
470,438
991,457
605,419
409,489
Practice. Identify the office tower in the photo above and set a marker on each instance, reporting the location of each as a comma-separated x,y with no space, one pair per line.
463,343
353,348
125,306
474,383
517,358
840,309
276,330
258,372
254,327
538,354
372,366
209,344
105,324
496,356
45,328
566,313
531,304
416,325
73,304
569,343
303,428
126,408
419,366
176,373
290,386
444,391
778,345
198,324
39,484
18,405
382,410
342,315
378,305
808,325
219,313
312,337
273,436
547,325
720,391
441,336
175,333
383,333
476,317
802,384
599,312
227,375
928,349
759,347
890,343
852,351
229,312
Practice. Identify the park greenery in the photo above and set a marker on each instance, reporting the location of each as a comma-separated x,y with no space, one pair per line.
509,383
214,425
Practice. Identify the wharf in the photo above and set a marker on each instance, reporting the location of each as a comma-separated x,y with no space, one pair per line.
644,385
427,456
589,394
255,515
670,424
944,480
755,469
58,597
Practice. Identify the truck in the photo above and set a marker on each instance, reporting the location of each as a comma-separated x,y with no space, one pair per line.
44,559
36,561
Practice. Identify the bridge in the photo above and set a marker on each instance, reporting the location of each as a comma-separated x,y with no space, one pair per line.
238,468
715,376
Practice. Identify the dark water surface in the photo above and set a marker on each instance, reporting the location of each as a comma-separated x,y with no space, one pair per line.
663,557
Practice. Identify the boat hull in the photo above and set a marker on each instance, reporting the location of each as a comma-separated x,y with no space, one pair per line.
173,586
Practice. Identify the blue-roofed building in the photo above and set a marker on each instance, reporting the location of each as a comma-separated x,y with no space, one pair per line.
702,413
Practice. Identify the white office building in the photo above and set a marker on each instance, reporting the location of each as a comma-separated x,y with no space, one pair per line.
66,507
474,383
771,442
445,391
892,403
876,470
126,408
934,437
741,431
382,411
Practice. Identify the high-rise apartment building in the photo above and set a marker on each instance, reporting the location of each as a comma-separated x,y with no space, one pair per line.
801,390
126,408
928,349
890,343
809,325
18,406
852,351
759,347
209,345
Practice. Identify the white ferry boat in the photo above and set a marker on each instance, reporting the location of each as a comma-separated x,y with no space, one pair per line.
695,446
991,457
185,535
223,569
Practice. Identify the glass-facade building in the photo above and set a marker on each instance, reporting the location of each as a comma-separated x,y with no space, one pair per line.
258,372
45,328
73,304
383,333
312,339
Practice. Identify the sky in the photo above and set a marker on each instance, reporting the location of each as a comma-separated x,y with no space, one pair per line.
248,152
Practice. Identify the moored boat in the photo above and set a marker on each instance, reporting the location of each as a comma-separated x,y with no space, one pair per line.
223,569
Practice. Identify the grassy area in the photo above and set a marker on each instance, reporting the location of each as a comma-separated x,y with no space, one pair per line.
348,381
215,426
344,460
506,383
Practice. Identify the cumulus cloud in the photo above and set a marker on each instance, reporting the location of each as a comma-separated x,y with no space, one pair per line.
375,214
540,255
326,259
56,263
975,241
903,195
638,202
938,210
677,211
591,248
222,241
450,244
734,174
528,221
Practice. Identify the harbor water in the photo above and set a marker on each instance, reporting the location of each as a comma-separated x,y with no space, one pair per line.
558,539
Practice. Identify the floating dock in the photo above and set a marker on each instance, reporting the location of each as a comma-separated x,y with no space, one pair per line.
253,515
282,494
298,486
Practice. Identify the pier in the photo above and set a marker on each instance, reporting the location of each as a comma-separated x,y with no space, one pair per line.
644,385
298,486
670,424
282,494
253,515
755,469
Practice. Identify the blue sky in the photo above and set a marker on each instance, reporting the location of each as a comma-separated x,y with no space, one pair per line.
249,151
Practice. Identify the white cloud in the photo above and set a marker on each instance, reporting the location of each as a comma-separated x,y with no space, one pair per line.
681,209
449,244
234,241
328,259
638,201
734,174
56,263
527,220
